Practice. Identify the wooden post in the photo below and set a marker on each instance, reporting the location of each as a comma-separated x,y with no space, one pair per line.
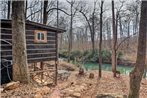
41,66
56,61
34,65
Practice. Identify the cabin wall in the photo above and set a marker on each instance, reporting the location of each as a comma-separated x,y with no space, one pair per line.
36,52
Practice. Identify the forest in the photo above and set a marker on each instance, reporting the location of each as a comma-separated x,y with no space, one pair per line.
73,48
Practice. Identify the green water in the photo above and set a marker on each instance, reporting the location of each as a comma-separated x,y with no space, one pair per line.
108,67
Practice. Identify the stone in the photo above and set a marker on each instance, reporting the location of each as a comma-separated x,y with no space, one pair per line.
81,71
82,87
12,85
18,97
1,89
69,97
111,95
38,95
35,89
91,75
45,90
78,89
56,93
70,91
77,95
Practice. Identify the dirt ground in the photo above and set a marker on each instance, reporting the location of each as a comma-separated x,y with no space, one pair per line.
78,87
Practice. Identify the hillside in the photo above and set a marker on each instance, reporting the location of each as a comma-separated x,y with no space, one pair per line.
78,87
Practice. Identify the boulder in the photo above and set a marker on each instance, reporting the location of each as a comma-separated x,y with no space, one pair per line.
77,95
38,95
105,95
43,91
69,97
12,85
1,89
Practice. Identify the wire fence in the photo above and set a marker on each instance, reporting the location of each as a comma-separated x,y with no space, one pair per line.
6,66
6,70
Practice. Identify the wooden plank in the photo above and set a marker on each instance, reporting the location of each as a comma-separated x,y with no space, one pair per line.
10,53
42,58
27,30
5,44
41,47
8,58
3,47
2,33
34,51
40,71
41,44
33,60
40,55
29,41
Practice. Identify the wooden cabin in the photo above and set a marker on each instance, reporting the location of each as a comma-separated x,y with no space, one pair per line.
41,41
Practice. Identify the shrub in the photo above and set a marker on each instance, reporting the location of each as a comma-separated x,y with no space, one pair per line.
63,54
106,54
94,56
75,54
120,55
89,55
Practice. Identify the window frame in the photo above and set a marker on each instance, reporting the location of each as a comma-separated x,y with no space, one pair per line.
40,32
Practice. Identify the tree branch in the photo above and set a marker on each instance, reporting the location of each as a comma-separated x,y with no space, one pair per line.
124,41
58,9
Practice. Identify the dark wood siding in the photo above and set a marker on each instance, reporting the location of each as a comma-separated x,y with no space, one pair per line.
35,52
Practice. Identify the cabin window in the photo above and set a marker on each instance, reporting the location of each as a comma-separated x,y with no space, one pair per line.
40,36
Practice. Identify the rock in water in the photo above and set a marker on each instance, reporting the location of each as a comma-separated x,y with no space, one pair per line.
12,85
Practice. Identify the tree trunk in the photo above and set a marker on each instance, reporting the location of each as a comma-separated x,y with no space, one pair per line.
120,28
100,43
93,32
20,67
70,34
114,60
26,9
137,73
108,35
9,5
45,14
128,35
90,28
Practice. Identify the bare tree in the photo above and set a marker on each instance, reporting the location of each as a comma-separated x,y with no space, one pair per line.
137,73
91,26
20,66
100,43
72,14
114,58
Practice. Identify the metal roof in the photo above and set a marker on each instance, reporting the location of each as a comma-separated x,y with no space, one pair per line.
59,30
